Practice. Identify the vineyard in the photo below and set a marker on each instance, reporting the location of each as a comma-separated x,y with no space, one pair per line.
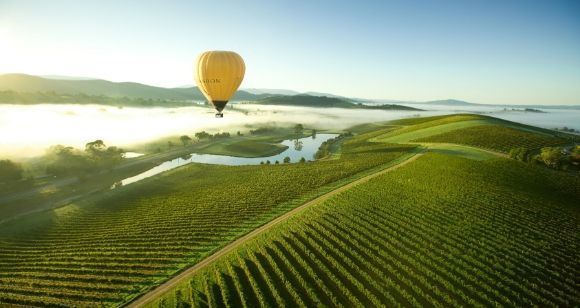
471,129
441,231
495,137
110,248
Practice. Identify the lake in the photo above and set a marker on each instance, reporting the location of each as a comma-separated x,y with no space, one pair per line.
297,149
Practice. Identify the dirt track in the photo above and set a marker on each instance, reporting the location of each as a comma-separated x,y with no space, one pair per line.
176,280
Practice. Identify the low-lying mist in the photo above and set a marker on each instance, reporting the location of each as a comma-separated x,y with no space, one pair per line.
27,131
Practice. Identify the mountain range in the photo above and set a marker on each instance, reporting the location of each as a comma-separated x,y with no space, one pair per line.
29,83
60,85
305,100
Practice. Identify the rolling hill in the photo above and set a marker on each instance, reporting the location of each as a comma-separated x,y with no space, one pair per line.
303,100
28,83
430,226
23,83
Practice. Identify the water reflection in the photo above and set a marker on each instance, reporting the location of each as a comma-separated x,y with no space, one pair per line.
297,149
298,145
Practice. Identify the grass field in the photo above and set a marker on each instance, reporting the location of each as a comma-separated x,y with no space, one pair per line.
461,151
109,248
441,231
494,137
46,192
245,148
411,128
471,130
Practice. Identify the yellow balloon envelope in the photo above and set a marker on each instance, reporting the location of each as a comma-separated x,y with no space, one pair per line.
218,76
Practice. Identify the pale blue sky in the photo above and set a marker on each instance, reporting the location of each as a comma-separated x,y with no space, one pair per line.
519,52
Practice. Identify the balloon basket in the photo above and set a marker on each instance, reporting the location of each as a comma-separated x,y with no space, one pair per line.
219,115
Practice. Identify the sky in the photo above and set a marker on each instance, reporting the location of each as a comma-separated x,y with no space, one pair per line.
494,52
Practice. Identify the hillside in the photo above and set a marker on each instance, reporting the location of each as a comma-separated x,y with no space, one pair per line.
98,253
31,84
451,227
324,102
448,229
421,235
50,97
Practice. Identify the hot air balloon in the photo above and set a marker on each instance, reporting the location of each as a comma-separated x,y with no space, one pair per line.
218,76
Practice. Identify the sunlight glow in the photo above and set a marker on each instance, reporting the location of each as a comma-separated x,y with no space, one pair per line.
7,50
27,131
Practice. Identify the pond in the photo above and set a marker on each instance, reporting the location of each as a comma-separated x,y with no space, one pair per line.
297,148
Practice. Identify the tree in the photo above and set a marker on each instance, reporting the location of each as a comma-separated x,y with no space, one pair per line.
64,160
286,160
10,171
95,146
302,160
520,154
267,162
276,162
298,129
551,156
111,157
103,157
185,139
298,145
221,135
313,133
575,153
202,135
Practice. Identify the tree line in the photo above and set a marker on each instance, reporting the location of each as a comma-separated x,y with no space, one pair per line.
63,160
560,158
13,97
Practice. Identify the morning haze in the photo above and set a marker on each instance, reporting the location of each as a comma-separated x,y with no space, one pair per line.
492,52
170,154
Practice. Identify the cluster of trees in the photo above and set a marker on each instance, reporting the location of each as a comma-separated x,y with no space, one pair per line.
262,130
325,147
286,160
12,97
561,158
10,171
566,129
298,130
185,139
205,135
68,161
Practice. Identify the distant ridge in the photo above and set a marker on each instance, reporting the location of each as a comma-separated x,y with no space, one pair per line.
305,100
450,102
271,91
29,83
61,77
98,87
454,102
